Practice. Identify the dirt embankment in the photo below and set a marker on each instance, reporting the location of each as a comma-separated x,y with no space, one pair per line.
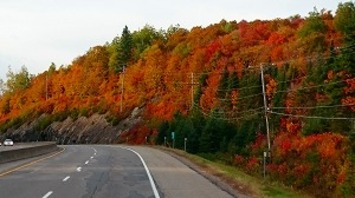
93,129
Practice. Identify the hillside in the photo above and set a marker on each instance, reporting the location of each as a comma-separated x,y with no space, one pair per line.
205,85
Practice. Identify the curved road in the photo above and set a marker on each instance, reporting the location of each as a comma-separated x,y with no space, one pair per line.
107,171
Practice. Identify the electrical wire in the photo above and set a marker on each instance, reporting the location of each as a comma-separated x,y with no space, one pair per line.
230,112
315,86
310,117
228,119
242,98
315,107
295,79
238,89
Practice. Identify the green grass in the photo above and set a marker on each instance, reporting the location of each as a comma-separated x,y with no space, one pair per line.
243,182
278,191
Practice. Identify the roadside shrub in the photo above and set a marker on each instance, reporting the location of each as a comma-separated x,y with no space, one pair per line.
318,163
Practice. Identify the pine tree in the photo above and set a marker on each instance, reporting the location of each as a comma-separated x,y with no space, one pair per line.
121,51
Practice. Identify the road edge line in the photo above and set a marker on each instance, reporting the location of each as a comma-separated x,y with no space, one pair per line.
152,183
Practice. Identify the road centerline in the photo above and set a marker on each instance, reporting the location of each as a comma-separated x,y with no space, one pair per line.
66,178
29,164
47,194
78,169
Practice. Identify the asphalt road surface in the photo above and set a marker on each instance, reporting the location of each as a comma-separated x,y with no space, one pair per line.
107,171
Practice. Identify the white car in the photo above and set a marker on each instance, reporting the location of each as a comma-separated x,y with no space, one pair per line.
8,142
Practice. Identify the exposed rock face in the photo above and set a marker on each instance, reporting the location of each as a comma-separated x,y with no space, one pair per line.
94,129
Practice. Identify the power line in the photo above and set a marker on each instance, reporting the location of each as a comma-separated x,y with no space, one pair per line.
315,107
229,112
311,117
242,98
319,57
238,89
228,119
286,81
315,86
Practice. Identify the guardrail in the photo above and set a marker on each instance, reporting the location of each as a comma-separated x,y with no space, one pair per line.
29,151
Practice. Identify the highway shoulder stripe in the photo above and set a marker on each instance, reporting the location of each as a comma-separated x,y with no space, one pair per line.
152,183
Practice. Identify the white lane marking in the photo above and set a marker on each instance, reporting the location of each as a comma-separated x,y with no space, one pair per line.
87,162
92,157
152,183
66,178
94,150
48,194
78,169
94,153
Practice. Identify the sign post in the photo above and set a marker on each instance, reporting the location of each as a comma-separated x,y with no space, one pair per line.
185,141
265,155
173,138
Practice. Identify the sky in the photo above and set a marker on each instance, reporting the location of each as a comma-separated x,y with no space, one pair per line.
35,33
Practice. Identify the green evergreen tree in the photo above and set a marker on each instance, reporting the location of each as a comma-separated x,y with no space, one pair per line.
198,92
211,135
121,51
223,85
162,132
233,81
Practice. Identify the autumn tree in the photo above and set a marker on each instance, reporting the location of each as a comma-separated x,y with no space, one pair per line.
2,87
313,33
144,38
17,81
345,23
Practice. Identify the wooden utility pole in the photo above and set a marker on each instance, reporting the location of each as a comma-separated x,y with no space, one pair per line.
122,89
265,109
192,90
46,86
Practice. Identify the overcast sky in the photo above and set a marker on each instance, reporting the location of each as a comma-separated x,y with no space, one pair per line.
35,33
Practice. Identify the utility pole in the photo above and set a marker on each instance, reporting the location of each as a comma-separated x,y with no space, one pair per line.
192,90
46,86
122,88
266,110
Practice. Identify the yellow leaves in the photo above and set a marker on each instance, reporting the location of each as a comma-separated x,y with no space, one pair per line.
271,87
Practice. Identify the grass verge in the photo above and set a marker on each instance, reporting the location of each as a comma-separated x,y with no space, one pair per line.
240,181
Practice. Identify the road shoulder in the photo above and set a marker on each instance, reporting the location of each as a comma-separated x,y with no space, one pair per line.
156,158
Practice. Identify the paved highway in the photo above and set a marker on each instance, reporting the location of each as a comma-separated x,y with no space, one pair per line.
107,171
